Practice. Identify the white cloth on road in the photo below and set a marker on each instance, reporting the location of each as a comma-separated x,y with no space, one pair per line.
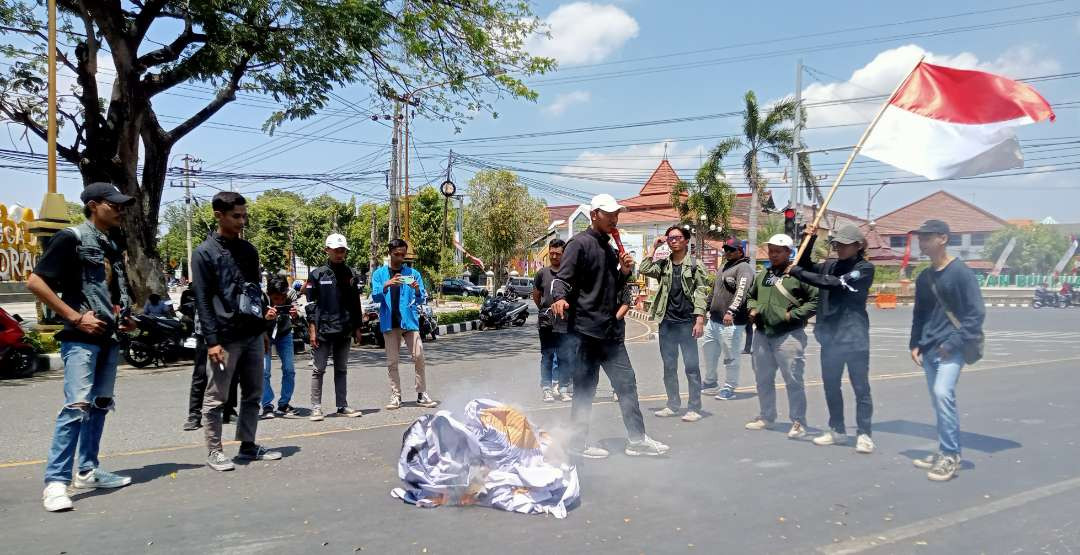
494,458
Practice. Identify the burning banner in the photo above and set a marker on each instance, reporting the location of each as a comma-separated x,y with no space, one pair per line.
494,458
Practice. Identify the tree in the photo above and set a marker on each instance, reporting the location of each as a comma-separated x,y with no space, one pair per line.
75,213
709,195
358,232
501,219
272,219
1038,247
763,138
426,231
296,51
320,217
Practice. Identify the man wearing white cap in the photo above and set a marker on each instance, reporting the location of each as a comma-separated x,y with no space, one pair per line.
334,315
780,305
587,291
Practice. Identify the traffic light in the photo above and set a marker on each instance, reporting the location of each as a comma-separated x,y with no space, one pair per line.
789,223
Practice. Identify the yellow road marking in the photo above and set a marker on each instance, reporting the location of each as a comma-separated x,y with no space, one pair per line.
657,397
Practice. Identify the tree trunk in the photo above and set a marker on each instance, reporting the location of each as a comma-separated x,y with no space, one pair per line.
755,209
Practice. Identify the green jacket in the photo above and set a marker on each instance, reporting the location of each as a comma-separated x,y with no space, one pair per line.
695,284
776,314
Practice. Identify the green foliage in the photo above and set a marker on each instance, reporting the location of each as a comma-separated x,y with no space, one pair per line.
318,218
1038,248
433,257
272,217
709,195
456,316
464,299
42,343
358,233
501,220
75,213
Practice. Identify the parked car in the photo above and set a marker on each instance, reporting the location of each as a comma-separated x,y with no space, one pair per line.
516,287
455,286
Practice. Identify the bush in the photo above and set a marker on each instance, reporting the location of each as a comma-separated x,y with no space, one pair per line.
464,299
42,343
457,316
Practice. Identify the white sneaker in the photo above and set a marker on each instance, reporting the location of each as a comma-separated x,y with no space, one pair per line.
759,423
864,444
395,402
98,478
591,452
549,396
646,446
797,431
316,414
691,416
566,396
55,497
831,438
665,412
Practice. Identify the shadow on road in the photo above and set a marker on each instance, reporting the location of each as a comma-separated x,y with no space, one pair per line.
286,452
968,440
142,475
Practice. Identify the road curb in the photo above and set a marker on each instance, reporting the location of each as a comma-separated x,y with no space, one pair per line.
48,362
460,327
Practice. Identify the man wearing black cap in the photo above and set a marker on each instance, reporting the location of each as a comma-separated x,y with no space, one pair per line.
85,265
728,317
946,333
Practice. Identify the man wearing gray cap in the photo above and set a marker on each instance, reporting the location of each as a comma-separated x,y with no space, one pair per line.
81,277
946,333
842,329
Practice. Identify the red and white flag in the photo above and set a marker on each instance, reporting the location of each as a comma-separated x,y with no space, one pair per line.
944,122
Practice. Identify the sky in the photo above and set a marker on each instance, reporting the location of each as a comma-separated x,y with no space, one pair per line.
638,78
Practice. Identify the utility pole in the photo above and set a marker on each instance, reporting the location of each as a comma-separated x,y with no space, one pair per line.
795,192
374,262
395,225
188,170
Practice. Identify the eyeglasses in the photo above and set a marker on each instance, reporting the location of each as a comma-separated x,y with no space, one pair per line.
675,238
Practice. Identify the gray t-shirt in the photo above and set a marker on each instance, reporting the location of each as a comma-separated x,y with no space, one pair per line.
542,283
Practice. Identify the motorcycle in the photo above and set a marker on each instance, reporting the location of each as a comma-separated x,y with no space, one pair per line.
499,311
369,325
429,325
17,357
1048,299
157,339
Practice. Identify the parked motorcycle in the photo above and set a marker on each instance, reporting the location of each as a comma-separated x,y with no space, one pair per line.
158,339
17,357
369,326
429,325
500,311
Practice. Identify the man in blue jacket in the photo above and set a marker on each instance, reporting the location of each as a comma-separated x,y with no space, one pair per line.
399,290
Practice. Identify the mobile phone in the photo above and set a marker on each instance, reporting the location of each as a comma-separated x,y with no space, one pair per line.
407,280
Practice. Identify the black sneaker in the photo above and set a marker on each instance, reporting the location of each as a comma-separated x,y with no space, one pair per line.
287,410
228,417
268,411
349,413
259,453
423,400
193,423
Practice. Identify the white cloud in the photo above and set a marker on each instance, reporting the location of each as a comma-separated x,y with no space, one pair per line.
881,75
583,33
566,100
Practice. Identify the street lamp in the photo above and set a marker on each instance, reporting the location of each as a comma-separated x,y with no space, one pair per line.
870,198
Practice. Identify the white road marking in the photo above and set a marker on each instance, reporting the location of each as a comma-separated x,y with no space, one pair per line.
933,524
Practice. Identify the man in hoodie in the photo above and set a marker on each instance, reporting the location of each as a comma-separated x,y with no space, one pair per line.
679,306
399,290
842,329
728,317
333,294
780,305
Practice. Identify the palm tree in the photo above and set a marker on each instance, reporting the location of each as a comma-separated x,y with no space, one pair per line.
763,138
709,195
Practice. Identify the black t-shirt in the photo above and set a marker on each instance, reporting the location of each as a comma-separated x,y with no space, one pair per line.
246,257
395,301
679,307
542,283
60,267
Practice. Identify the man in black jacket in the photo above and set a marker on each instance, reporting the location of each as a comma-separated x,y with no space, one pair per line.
842,329
587,291
334,316
231,313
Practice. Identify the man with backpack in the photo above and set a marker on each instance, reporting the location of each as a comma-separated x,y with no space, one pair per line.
334,316
81,277
679,306
780,305
946,334
728,317
232,315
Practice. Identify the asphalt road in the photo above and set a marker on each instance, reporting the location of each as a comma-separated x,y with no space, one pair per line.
721,489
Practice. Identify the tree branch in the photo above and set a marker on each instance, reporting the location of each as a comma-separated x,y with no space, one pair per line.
172,51
23,118
147,14
87,73
223,97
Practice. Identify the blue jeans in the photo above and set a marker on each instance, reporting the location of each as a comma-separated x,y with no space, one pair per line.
722,341
89,377
941,377
553,370
284,346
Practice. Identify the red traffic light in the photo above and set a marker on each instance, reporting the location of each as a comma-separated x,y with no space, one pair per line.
789,213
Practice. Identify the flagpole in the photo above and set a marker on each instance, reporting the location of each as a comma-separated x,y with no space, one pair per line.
851,158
